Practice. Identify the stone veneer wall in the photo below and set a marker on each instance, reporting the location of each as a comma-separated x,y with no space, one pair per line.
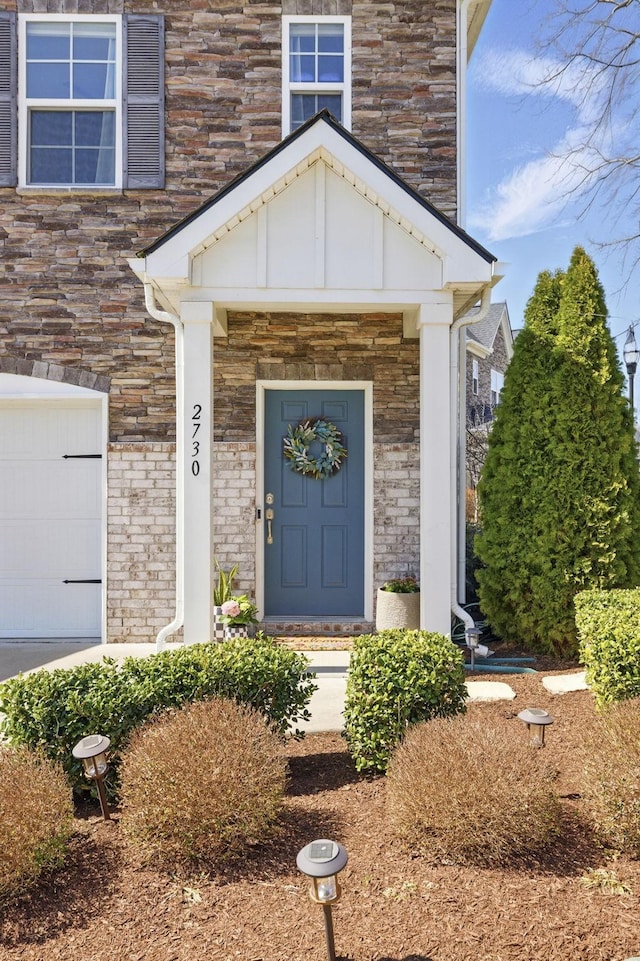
71,308
69,298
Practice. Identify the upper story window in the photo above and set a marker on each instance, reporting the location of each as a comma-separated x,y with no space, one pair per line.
81,101
475,376
497,383
72,102
316,69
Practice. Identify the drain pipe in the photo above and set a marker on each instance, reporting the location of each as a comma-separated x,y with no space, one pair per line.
166,318
457,362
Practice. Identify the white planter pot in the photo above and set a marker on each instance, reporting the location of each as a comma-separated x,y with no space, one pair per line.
397,611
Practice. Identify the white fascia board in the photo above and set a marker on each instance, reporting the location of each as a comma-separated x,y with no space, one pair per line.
478,350
171,259
312,300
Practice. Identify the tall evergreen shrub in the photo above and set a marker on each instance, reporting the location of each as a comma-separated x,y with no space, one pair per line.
560,491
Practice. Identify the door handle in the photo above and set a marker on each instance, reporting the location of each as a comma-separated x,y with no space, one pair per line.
269,517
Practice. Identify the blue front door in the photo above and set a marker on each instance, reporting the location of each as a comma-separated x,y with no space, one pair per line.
314,529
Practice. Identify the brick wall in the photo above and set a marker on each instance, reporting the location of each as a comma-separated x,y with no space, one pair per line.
140,540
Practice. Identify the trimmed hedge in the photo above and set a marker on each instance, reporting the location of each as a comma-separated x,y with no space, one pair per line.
201,783
460,791
612,776
608,625
51,711
397,678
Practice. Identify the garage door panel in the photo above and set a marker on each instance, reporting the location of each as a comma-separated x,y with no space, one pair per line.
63,549
50,518
44,489
70,608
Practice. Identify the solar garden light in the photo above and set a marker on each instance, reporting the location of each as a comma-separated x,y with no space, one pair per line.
536,720
472,635
321,861
92,751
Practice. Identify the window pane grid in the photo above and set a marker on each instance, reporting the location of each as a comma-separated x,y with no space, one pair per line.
72,147
70,61
316,53
71,86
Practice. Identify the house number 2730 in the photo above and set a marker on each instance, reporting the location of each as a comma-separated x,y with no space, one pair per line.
195,445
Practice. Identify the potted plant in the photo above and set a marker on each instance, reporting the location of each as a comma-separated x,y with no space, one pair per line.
222,593
398,604
237,614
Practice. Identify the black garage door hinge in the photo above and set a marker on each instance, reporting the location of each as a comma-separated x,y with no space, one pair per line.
81,456
96,580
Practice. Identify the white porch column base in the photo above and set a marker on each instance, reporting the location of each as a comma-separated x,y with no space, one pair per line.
434,322
198,428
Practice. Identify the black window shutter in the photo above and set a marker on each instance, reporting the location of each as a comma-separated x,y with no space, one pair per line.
8,100
143,101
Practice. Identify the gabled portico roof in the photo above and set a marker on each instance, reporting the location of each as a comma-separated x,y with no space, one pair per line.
320,221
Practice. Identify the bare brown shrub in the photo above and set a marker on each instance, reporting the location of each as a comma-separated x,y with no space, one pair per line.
461,792
36,817
612,776
201,783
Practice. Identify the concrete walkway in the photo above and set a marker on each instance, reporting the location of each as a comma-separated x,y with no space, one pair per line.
331,669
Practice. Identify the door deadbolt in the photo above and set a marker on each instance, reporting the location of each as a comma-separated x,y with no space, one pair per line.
269,498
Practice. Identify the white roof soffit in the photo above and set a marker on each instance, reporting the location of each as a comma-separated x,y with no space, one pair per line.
167,263
478,10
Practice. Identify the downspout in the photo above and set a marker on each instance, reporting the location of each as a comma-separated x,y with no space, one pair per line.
166,318
457,361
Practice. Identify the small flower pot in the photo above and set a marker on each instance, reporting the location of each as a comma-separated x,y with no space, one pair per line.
397,611
232,631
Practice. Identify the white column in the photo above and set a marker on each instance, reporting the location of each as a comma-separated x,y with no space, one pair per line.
434,322
198,438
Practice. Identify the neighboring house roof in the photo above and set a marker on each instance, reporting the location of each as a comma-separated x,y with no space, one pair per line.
481,336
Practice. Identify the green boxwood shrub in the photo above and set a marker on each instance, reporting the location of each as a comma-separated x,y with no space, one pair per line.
397,678
52,710
608,625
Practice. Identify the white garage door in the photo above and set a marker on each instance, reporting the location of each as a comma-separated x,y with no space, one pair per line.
50,518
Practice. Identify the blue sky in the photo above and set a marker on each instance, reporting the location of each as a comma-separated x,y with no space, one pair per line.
515,133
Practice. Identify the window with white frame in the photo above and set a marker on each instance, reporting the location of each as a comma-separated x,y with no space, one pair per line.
475,375
316,69
72,97
497,383
82,100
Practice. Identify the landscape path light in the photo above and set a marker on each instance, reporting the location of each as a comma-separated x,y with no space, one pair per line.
473,643
92,751
322,860
536,720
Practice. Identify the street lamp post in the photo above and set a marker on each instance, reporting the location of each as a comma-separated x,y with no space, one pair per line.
631,356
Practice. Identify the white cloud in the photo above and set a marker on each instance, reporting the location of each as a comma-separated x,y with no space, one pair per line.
533,195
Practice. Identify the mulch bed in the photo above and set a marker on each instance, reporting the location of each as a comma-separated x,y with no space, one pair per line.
105,906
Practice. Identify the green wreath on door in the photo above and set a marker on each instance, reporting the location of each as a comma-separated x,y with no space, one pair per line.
297,446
